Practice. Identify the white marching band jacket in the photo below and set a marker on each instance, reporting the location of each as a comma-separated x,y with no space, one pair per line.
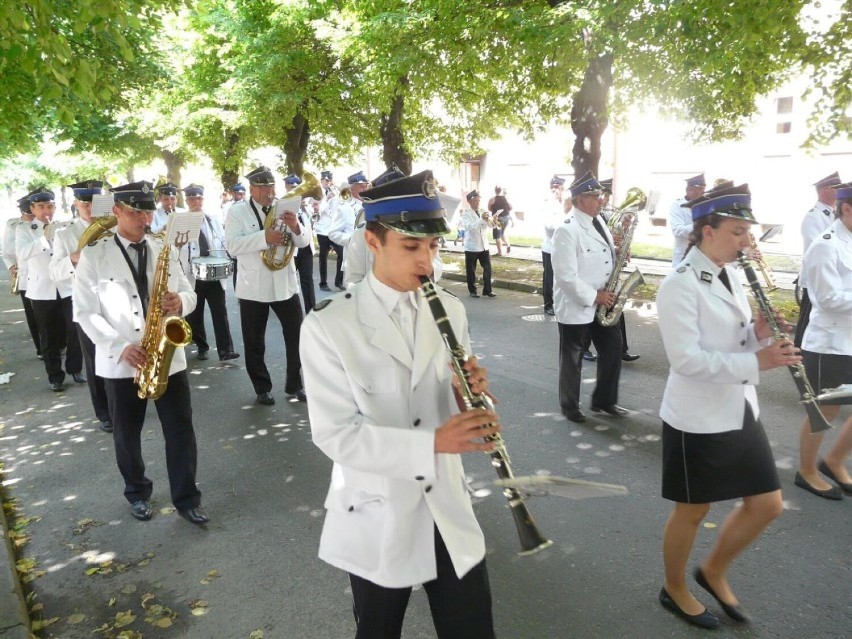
373,410
9,254
710,343
32,247
814,224
680,224
108,307
476,231
246,241
64,245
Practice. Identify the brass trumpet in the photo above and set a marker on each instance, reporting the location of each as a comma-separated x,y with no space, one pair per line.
310,187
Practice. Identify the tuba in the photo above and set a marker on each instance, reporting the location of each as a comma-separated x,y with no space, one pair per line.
99,228
309,187
634,202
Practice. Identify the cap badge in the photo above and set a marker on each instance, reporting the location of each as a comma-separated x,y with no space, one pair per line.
429,189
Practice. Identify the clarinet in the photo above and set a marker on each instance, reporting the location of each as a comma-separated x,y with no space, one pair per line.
807,397
531,539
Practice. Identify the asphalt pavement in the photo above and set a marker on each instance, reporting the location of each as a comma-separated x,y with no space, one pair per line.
254,567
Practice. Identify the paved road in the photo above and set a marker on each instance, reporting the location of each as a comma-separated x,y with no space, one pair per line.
264,484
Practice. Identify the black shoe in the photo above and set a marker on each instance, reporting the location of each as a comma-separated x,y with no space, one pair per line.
57,387
734,612
627,357
590,357
226,356
704,619
266,399
40,356
299,394
202,355
508,249
195,515
474,294
576,415
613,410
141,510
106,426
550,311
490,294
825,470
340,288
324,287
829,493
79,378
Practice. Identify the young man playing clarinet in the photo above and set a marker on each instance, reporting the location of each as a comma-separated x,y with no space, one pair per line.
383,406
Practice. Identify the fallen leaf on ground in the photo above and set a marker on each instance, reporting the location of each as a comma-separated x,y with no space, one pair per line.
167,510
129,589
77,617
256,634
38,624
124,618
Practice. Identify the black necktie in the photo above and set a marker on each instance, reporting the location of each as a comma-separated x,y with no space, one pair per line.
142,273
723,277
599,229
265,209
203,245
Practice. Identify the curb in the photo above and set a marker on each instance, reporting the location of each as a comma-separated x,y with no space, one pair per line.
14,617
514,286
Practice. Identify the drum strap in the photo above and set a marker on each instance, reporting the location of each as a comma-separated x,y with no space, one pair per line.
203,244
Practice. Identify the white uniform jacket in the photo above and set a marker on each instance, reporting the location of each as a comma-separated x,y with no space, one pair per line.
343,223
358,259
710,343
582,263
161,218
553,216
326,216
828,265
64,244
215,234
10,256
373,410
814,224
680,223
246,241
476,232
108,307
33,248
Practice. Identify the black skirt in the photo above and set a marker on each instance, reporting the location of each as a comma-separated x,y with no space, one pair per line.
704,468
826,371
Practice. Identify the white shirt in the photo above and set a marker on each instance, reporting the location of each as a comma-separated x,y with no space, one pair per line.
814,224
680,223
326,216
161,218
476,231
554,214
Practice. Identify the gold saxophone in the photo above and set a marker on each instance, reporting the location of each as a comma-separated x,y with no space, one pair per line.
14,283
310,187
162,335
609,316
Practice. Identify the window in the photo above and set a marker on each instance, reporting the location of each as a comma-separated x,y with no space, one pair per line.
782,127
784,105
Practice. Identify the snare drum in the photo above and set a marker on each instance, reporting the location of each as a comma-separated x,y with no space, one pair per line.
211,267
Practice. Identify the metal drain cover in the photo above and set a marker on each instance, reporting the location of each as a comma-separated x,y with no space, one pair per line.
538,317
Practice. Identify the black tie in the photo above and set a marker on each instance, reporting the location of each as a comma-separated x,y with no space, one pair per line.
723,277
265,209
203,245
142,273
599,229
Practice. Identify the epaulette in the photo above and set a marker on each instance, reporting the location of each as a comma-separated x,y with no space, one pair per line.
827,236
322,304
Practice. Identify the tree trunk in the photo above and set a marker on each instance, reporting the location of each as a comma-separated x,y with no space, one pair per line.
296,138
174,163
590,115
230,174
394,150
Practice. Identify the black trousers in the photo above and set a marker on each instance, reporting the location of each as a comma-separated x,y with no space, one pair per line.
461,608
547,280
573,340
174,408
254,316
31,321
325,245
804,318
470,260
622,326
211,293
304,262
54,319
96,384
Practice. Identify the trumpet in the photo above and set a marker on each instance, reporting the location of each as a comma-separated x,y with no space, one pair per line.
310,187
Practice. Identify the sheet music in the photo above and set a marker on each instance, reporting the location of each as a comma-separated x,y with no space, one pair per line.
288,204
449,204
102,204
183,227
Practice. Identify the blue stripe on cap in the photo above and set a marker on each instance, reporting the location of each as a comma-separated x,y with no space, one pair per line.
725,203
396,205
844,192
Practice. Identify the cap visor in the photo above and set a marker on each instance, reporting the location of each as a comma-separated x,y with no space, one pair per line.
419,228
739,214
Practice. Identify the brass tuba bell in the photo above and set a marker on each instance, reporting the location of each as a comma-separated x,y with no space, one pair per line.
99,227
310,187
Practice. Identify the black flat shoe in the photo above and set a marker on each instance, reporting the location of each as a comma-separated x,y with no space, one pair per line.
141,510
627,357
106,426
590,357
79,378
734,612
202,355
324,287
226,356
474,294
613,410
825,470
490,294
195,515
829,493
340,288
57,387
576,415
299,395
266,399
705,619
550,311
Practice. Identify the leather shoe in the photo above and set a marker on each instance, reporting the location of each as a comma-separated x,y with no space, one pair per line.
79,378
576,415
627,357
57,387
202,355
828,493
226,356
141,510
614,410
106,426
704,619
340,287
589,356
299,394
474,294
324,287
490,294
40,356
266,399
550,311
825,470
734,612
195,515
